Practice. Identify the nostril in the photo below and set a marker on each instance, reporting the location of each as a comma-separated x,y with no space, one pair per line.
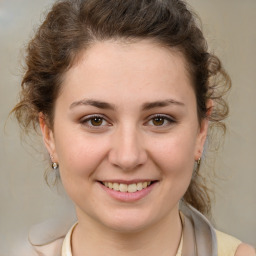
127,159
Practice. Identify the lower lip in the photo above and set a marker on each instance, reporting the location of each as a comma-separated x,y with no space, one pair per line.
126,196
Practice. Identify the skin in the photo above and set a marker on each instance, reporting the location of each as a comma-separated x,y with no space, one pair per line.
127,145
245,249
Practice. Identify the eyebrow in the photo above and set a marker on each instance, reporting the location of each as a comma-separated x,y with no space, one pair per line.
94,103
162,103
105,105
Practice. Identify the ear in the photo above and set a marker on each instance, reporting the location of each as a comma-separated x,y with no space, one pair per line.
48,137
203,129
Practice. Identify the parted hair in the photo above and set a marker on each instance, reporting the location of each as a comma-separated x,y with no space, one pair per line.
72,26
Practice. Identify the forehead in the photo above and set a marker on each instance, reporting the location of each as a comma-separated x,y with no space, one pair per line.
151,52
119,67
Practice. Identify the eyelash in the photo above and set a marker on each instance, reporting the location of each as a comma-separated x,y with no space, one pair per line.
166,118
85,121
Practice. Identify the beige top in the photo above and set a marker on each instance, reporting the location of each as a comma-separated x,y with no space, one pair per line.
227,245
66,247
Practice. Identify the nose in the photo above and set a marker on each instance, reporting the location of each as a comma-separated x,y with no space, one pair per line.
127,151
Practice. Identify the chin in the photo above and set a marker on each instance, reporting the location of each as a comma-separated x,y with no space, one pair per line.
127,227
128,221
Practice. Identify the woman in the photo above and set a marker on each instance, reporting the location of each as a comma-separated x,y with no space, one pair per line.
124,93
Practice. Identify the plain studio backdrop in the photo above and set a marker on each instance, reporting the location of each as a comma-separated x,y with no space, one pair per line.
25,199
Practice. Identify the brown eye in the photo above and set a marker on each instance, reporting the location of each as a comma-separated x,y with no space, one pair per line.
96,121
161,121
158,121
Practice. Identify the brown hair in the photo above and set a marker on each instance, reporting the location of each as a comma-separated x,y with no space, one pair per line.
73,25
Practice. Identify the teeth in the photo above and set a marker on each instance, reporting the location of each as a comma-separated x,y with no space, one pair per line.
144,184
116,186
139,186
131,188
123,188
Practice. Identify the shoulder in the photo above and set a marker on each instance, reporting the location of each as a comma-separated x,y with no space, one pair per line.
231,246
46,238
245,249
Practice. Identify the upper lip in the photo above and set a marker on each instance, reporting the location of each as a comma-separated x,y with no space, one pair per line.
128,181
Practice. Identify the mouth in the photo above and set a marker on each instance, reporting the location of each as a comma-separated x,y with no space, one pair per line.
128,188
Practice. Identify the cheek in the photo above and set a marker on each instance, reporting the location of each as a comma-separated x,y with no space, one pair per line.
175,158
79,155
177,150
78,159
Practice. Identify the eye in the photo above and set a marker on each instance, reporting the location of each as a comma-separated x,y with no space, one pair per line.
160,120
94,121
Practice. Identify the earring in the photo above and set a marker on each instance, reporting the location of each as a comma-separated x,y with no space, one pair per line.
198,162
55,165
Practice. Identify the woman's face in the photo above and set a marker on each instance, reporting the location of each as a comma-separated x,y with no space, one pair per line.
126,117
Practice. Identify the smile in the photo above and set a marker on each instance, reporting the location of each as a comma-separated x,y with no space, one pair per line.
130,188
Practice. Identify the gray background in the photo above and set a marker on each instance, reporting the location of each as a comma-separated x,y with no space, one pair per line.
25,199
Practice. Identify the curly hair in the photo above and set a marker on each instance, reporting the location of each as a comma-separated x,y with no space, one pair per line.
72,26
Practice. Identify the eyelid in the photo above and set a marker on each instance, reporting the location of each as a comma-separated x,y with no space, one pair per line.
169,118
87,118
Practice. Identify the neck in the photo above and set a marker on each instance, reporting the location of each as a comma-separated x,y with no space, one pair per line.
161,238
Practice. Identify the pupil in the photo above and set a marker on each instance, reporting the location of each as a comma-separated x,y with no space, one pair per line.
96,121
158,121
